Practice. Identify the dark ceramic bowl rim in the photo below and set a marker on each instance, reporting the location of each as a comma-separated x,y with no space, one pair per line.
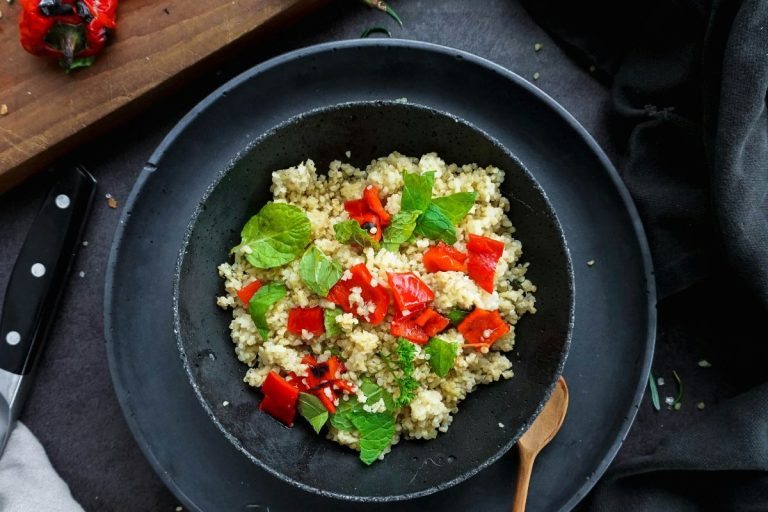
177,330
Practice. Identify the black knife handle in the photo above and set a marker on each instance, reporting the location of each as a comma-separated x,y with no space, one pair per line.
41,270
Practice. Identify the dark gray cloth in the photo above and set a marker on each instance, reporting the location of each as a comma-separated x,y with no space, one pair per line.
689,81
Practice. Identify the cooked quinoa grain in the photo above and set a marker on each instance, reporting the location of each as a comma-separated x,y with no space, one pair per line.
360,344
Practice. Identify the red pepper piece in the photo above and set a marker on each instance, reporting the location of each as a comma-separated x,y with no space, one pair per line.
410,293
371,224
371,197
344,385
326,401
246,292
67,29
444,258
482,327
432,322
306,319
407,328
279,398
484,254
376,295
357,208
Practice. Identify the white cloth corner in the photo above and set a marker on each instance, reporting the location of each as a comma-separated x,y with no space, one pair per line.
28,482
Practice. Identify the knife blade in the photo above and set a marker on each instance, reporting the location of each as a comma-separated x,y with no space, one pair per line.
36,285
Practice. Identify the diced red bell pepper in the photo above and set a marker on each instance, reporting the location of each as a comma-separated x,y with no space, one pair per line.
410,293
406,327
371,224
246,292
356,208
344,385
322,394
279,398
482,327
371,197
432,322
376,295
306,319
444,258
484,254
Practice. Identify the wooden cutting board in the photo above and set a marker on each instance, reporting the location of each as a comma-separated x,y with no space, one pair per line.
156,42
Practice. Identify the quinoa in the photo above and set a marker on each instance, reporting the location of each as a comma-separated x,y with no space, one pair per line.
322,197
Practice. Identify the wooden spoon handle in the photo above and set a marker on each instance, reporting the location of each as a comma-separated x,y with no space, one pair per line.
523,479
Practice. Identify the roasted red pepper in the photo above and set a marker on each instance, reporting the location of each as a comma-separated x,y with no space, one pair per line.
483,328
444,258
368,212
371,198
306,319
432,322
246,292
322,380
406,327
279,398
371,293
484,254
411,294
73,30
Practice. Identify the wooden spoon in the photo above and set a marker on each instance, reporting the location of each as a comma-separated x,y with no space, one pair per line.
540,433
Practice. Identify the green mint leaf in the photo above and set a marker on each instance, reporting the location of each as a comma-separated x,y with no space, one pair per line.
400,230
417,191
318,271
329,321
441,355
456,206
276,235
376,433
350,232
373,393
260,303
456,316
435,225
313,410
342,418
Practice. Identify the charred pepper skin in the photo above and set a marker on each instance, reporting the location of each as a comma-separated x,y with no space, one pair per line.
67,29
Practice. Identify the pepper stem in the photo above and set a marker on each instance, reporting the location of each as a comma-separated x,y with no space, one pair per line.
69,41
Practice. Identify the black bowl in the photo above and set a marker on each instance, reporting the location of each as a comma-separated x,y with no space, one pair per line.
298,455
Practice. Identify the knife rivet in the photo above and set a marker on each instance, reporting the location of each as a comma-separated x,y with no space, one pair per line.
13,338
62,201
38,270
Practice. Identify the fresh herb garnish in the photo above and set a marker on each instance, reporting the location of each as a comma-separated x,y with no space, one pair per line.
332,328
654,392
456,206
406,354
678,403
318,271
417,191
260,303
435,225
400,230
342,419
313,411
276,235
376,432
442,355
350,232
78,63
375,30
456,316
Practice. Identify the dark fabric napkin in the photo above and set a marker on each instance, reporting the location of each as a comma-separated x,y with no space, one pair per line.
689,81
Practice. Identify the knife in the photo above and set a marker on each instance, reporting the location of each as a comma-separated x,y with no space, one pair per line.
35,287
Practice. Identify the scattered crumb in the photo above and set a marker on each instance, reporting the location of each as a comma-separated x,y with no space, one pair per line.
700,406
179,509
677,406
3,109
501,425
348,153
536,75
81,274
29,93
85,243
591,69
107,195
537,47
669,400
225,403
111,202
590,263
660,381
705,364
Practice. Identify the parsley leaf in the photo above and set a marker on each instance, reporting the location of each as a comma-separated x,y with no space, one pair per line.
456,206
376,433
400,230
318,271
406,353
276,235
350,232
417,191
260,303
456,316
313,410
442,355
435,225
329,321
